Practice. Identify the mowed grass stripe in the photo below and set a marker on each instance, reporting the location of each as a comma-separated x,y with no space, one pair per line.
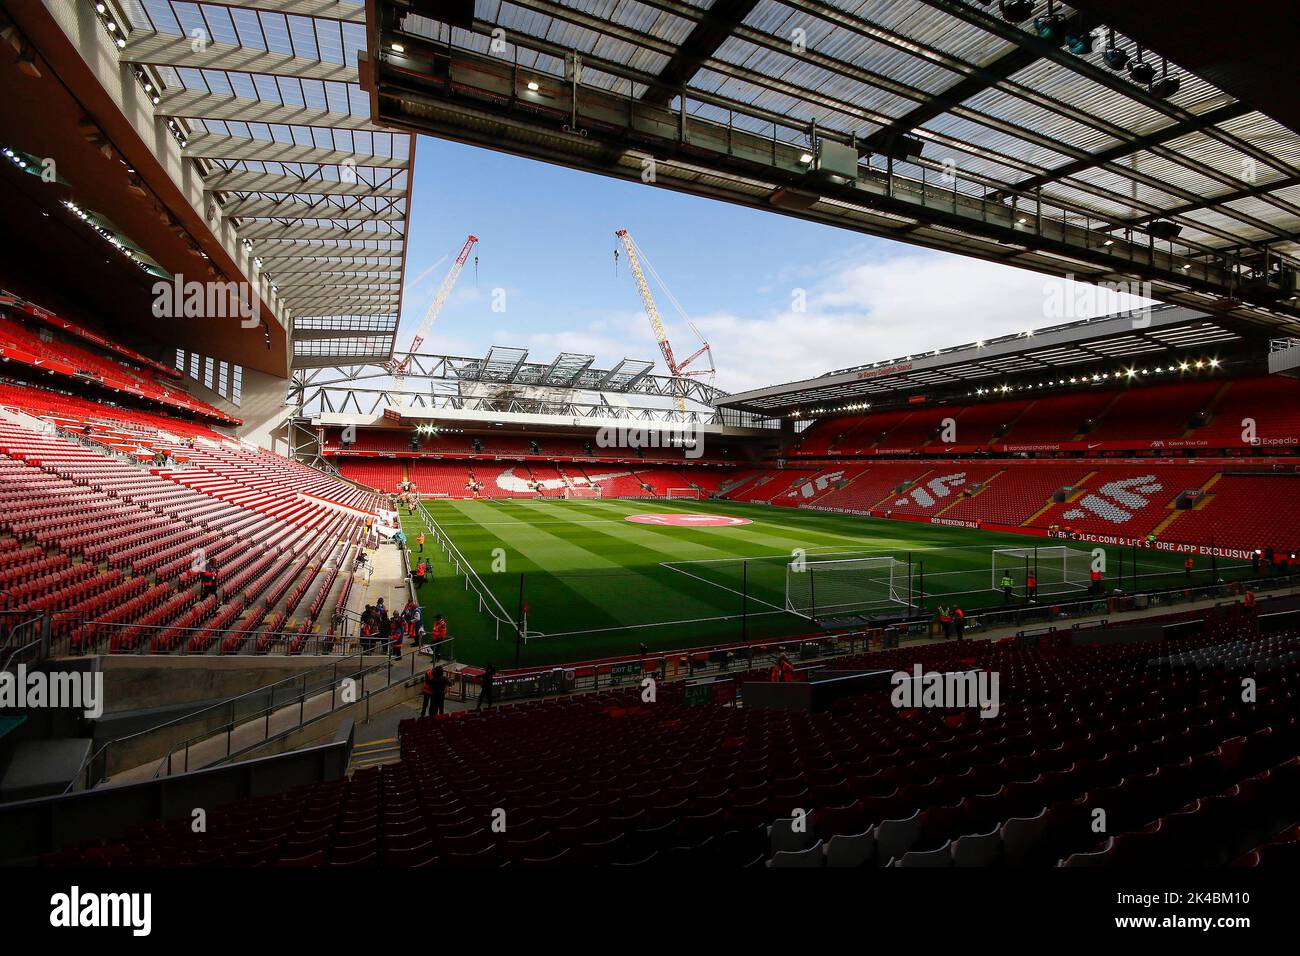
533,559
809,533
649,544
615,579
719,577
763,537
644,590
624,532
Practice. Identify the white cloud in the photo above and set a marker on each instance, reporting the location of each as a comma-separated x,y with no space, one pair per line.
862,308
886,308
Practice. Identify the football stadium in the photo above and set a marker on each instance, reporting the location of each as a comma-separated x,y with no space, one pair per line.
313,555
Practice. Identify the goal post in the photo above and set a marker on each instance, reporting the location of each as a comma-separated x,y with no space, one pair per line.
582,491
1056,568
684,493
843,586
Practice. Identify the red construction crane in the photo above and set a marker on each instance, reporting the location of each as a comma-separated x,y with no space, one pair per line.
398,369
678,370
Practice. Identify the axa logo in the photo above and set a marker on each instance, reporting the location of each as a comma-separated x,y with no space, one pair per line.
934,490
1117,501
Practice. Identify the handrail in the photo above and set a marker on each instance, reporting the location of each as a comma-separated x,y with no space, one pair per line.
232,702
266,713
19,631
4,666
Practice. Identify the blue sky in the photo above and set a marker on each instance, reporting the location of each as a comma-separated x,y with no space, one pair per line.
546,237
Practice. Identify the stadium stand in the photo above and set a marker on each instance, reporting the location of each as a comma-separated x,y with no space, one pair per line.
114,536
1134,499
1272,404
1242,510
605,779
1018,493
439,478
872,485
64,357
383,476
1154,411
1058,418
942,488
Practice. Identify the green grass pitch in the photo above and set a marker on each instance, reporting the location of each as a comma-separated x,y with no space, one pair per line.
597,585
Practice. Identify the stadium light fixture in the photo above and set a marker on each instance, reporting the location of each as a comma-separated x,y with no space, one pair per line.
1141,71
805,158
398,48
533,86
1080,44
1051,25
1167,85
1114,56
1015,11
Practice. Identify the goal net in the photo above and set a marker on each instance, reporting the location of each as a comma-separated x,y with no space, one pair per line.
842,586
582,491
1057,568
684,493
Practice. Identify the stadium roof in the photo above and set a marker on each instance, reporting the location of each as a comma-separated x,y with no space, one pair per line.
1100,348
935,122
504,381
263,97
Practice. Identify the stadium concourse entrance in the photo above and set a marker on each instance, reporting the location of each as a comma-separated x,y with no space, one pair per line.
546,581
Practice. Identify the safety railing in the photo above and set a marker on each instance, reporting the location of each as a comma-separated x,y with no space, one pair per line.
98,637
686,664
251,720
22,638
1059,607
487,601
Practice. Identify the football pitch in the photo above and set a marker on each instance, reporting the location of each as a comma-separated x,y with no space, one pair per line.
589,583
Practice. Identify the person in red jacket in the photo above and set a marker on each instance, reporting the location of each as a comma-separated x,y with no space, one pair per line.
438,632
782,671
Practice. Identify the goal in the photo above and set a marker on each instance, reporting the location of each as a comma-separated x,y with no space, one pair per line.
684,493
582,491
841,586
1057,568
